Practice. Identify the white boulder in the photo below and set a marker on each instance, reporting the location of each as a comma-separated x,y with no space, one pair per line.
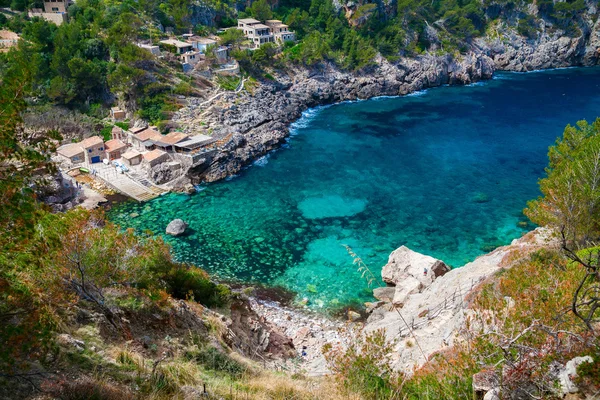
410,272
176,227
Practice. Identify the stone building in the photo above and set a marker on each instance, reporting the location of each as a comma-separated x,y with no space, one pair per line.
93,147
72,152
114,149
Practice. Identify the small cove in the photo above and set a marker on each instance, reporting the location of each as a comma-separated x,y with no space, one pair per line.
445,172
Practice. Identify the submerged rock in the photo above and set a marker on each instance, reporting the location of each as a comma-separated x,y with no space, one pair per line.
176,227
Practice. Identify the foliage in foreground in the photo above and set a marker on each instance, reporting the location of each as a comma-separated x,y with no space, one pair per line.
520,324
570,201
77,256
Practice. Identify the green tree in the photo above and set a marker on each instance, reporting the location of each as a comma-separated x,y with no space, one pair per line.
261,10
570,200
19,5
232,37
22,155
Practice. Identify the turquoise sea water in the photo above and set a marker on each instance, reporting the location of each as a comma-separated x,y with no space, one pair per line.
446,172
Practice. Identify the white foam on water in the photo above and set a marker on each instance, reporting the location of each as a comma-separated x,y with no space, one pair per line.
418,93
261,162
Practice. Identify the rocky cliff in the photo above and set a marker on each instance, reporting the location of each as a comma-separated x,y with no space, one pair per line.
258,121
431,314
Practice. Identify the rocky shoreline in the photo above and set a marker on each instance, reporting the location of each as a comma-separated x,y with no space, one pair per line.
258,122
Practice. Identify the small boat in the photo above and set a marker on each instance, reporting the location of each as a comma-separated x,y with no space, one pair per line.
84,170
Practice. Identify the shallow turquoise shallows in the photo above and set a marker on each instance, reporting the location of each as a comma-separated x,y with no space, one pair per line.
445,172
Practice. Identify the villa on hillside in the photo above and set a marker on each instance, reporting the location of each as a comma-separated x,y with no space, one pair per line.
280,31
254,30
201,43
179,46
54,11
270,32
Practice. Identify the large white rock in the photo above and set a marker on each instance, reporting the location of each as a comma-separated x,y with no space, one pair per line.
408,286
403,262
410,272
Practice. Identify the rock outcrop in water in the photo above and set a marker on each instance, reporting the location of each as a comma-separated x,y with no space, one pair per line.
176,227
258,122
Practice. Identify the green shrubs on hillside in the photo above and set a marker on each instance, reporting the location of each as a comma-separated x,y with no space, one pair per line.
570,201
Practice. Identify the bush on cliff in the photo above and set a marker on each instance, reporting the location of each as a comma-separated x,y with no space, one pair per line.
570,201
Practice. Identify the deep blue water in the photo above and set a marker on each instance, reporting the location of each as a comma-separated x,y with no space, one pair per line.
446,172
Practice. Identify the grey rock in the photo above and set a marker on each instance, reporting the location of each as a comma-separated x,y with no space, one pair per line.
384,293
353,315
176,227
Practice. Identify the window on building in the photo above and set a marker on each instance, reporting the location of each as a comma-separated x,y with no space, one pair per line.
54,9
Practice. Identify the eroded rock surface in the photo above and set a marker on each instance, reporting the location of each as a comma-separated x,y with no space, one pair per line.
435,314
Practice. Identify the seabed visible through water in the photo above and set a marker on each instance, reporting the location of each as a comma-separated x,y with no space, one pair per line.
446,172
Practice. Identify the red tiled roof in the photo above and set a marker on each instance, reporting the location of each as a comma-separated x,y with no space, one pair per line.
114,144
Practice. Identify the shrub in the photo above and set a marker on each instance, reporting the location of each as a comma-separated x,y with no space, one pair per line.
213,359
186,282
228,82
364,367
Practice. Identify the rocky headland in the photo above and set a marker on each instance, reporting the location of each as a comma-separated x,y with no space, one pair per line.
257,121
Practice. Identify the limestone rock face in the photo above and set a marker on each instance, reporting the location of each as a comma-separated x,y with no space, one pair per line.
569,373
384,293
410,272
403,262
176,227
436,314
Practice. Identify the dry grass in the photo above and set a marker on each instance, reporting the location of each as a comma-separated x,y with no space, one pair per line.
279,386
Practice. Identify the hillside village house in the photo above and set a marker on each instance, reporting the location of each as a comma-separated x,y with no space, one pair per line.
144,139
191,58
222,54
118,133
8,39
117,114
131,157
54,11
90,150
280,31
155,157
155,50
167,142
114,149
72,153
93,147
272,31
180,47
201,44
